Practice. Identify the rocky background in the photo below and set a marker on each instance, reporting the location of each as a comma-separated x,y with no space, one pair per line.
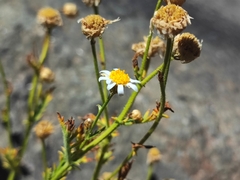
201,140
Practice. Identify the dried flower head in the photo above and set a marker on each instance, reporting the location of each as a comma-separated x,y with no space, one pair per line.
94,25
186,47
43,129
91,2
46,74
156,46
170,20
118,78
177,2
153,156
49,17
70,10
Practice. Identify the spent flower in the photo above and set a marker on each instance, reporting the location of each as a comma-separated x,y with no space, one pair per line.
156,46
49,17
170,20
118,78
43,129
153,156
186,47
94,25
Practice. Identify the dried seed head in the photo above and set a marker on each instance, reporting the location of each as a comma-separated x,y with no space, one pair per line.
94,25
156,46
170,20
91,2
43,129
70,10
46,75
153,156
177,2
135,115
186,47
49,17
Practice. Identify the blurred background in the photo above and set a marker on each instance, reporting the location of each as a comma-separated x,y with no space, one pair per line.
201,140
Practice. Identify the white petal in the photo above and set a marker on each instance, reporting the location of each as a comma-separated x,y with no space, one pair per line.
105,72
110,86
132,86
134,81
102,78
109,81
120,90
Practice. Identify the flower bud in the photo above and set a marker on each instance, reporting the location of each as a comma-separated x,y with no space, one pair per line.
46,75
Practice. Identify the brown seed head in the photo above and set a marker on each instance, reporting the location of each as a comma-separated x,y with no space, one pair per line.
43,129
170,20
94,25
49,17
46,75
70,10
177,2
186,47
156,46
153,156
91,2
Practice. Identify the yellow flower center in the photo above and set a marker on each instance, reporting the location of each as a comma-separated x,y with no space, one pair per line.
119,77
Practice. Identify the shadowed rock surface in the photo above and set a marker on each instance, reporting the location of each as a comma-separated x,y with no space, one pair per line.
201,140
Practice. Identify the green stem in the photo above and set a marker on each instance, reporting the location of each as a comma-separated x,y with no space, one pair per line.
93,42
66,145
25,140
45,47
100,162
103,66
44,155
150,172
60,172
145,56
31,99
165,69
7,91
102,109
12,175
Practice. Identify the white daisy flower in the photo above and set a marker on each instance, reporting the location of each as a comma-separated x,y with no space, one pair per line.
118,78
